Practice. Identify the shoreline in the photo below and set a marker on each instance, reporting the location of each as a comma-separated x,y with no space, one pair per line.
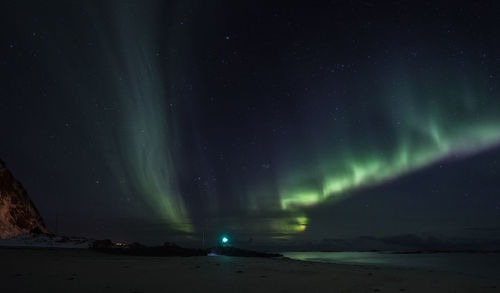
480,265
82,270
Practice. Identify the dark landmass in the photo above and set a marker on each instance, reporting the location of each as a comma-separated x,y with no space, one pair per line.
168,249
18,214
171,249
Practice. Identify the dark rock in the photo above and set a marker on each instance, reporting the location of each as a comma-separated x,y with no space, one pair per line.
37,231
18,214
136,245
102,244
63,239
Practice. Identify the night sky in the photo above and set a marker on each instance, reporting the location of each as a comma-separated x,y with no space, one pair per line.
272,120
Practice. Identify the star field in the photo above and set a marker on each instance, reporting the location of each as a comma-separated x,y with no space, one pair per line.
154,119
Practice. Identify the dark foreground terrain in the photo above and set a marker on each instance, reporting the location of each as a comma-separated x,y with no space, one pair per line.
82,270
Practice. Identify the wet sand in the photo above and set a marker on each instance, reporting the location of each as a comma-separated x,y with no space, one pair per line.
79,270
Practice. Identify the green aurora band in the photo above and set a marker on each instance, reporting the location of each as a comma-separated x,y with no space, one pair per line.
455,124
147,132
421,125
376,169
425,132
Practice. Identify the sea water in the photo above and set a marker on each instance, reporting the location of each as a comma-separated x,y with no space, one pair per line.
485,265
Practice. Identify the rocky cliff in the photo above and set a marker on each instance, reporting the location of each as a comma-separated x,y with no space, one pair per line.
18,214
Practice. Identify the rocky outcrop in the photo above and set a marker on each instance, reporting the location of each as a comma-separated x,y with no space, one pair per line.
18,214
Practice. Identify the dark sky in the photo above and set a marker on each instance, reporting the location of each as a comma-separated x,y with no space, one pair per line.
272,120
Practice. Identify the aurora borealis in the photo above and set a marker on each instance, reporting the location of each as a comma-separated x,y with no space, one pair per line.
147,140
181,117
425,135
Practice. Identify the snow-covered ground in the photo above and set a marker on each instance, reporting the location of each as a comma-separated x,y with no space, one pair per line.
44,240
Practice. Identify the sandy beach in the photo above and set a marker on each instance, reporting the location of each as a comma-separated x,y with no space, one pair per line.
80,270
